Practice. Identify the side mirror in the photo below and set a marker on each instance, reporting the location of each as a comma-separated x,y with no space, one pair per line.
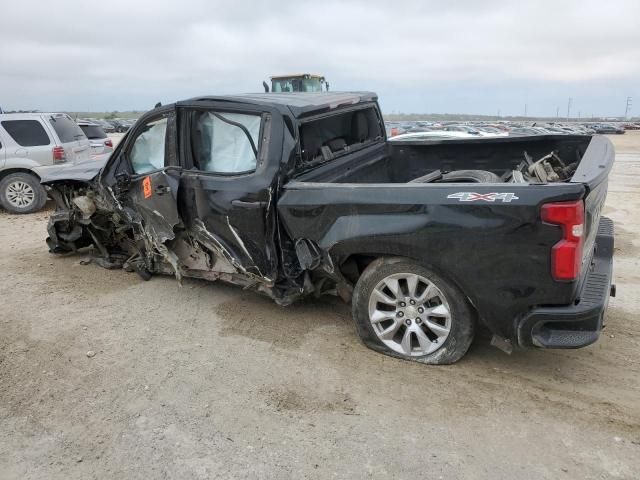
266,87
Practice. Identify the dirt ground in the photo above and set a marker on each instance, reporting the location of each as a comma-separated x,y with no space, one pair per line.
208,381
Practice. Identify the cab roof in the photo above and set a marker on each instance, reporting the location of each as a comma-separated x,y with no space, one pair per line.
296,104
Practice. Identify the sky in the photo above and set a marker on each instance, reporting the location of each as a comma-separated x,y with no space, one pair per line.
467,56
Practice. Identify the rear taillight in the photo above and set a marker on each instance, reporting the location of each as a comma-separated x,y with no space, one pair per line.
58,155
108,143
566,255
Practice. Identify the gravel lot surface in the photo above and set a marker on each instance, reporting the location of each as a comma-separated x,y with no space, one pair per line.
103,375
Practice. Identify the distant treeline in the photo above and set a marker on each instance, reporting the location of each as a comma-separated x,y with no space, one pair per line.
108,115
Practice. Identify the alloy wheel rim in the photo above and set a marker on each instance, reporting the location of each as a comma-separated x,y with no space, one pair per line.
20,194
409,314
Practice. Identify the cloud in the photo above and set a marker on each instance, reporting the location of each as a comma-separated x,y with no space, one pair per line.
120,55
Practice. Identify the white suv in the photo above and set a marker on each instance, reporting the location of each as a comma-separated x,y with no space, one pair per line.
31,144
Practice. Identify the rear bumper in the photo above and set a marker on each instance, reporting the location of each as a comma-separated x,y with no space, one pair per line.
579,324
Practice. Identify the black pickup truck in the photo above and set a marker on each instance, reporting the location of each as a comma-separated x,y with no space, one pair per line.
302,194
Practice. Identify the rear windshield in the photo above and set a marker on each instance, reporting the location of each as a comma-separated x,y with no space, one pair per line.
67,129
338,134
93,131
26,133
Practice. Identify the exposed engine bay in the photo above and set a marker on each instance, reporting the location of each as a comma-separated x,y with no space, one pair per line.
113,235
84,218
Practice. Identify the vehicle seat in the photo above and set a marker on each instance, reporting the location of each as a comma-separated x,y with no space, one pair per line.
336,144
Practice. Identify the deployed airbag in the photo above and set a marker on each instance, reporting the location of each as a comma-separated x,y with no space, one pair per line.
224,144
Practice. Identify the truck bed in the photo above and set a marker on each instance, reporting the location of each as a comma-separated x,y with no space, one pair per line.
487,237
403,162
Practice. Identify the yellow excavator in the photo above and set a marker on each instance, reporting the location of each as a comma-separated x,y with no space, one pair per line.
298,82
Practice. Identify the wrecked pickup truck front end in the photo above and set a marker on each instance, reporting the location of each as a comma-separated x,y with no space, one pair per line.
183,222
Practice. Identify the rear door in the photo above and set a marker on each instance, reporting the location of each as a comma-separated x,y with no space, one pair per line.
232,158
75,143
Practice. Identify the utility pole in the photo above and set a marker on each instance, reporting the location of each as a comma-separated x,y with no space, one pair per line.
557,112
525,110
569,108
628,108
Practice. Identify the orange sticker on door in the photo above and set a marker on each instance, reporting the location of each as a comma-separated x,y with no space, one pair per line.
146,187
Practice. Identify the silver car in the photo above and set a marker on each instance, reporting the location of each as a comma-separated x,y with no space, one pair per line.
100,142
30,145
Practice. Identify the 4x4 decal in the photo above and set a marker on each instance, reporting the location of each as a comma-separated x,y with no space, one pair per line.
484,197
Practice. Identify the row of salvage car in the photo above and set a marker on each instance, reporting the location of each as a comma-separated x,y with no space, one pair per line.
418,130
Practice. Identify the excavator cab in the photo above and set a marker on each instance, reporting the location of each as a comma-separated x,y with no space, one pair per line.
304,82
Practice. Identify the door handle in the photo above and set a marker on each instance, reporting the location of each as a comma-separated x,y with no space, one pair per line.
242,203
162,189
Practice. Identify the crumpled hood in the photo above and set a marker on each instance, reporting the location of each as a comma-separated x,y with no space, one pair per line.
83,172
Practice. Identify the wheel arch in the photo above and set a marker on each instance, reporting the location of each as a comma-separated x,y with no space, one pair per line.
8,171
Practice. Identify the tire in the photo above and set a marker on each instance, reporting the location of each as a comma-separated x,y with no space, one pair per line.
470,176
22,193
443,309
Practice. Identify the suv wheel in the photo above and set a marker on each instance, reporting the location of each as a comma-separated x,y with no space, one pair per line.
22,193
405,310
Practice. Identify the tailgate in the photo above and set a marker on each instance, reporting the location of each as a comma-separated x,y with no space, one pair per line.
79,151
593,172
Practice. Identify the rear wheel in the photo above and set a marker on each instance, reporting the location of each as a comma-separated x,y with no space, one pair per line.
405,310
22,193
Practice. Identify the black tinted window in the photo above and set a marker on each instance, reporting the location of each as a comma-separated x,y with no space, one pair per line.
93,131
26,133
66,129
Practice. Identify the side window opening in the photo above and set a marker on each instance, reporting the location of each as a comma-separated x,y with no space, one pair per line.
148,151
225,142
